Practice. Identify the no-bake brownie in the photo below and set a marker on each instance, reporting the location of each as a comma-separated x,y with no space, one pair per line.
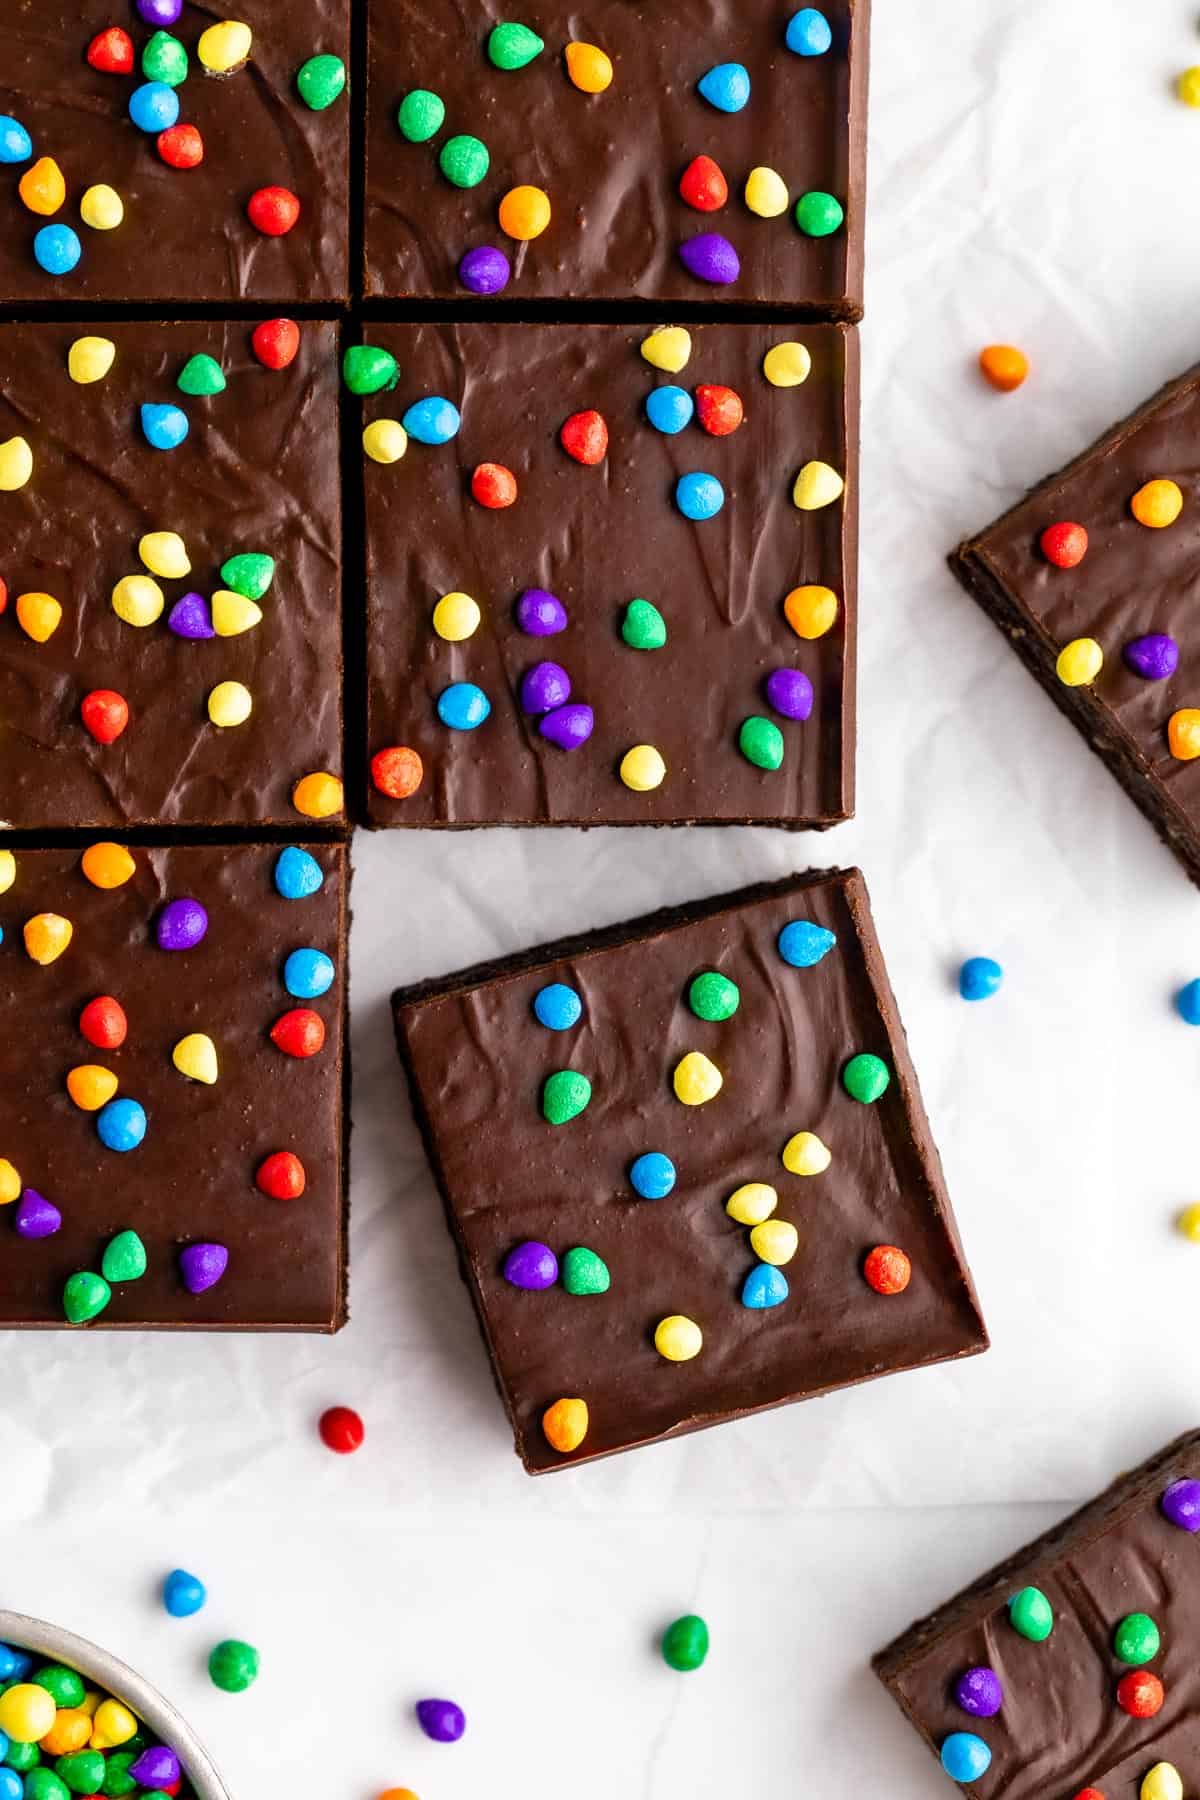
610,590
172,1131
687,1167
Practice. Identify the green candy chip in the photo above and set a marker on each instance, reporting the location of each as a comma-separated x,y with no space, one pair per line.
201,375
464,161
565,1096
233,1666
1030,1613
714,997
865,1078
85,1296
125,1258
22,1757
685,1643
64,1686
165,59
583,1272
44,1784
1136,1639
321,81
818,214
643,626
117,1780
761,743
368,370
249,574
422,114
83,1771
513,46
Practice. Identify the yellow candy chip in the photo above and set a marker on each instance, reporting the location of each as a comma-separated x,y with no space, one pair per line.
164,553
107,865
90,358
318,796
817,485
90,1703
766,193
643,769
233,613
811,611
1158,504
1183,734
8,870
805,1154
787,365
753,1202
10,1182
196,1057
774,1242
224,46
16,464
91,1086
112,1723
1188,87
42,187
230,703
1079,662
678,1338
385,440
1188,1220
26,1713
668,348
46,937
455,617
565,1425
137,600
39,616
102,207
1162,1782
524,213
696,1079
589,67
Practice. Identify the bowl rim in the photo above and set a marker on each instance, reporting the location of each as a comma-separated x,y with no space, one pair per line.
123,1683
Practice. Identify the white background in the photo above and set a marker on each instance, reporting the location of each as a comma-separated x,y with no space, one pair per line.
1032,180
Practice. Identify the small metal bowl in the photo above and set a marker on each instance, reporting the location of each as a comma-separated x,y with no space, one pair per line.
104,1671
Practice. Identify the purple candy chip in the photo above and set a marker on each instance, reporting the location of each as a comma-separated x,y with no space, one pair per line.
202,1266
160,12
1153,657
36,1217
979,1693
191,617
485,270
531,1265
156,1767
441,1720
181,925
790,692
1181,1504
540,614
568,726
544,687
710,257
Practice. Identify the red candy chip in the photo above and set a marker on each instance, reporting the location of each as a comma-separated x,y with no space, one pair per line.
105,713
275,342
273,211
703,186
281,1176
397,771
494,486
1089,1794
300,1032
887,1269
1064,545
718,409
341,1430
1140,1694
111,51
103,1022
585,437
3,595
181,146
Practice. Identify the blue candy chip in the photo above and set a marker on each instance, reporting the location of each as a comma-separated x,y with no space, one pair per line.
699,496
154,106
16,145
979,978
165,427
727,87
12,1787
1187,1002
183,1594
57,249
802,943
965,1757
463,706
652,1175
14,1664
764,1286
121,1124
297,874
669,409
558,1007
307,974
433,421
809,32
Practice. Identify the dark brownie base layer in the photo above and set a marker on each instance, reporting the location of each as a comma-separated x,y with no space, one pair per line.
1133,580
258,471
185,235
1059,1728
610,163
192,1179
599,537
476,1058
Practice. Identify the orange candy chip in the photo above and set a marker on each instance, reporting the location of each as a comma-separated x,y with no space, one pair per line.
107,865
47,936
318,796
42,187
524,213
397,771
1004,366
1183,734
565,1425
887,1269
71,1730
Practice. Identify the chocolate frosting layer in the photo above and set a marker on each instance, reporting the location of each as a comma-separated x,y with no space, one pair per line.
611,162
191,1180
185,235
598,537
477,1059
1059,1728
258,471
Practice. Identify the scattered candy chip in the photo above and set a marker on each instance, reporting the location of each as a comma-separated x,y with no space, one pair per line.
463,160
385,440
817,485
766,193
818,214
512,46
565,1095
421,115
787,365
668,348
643,769
275,342
300,1032
685,1643
124,1260
42,187
965,1756
230,703
273,210
90,359
321,80
811,611
696,1079
233,1666
1031,1615
39,616
589,67
456,617
91,1087
107,865
726,87
281,1176
196,1057
805,1154
165,554
1183,734
710,257
201,374
752,1203
979,978
201,1266
138,600
46,936
887,1269
678,1338
102,207
16,464
866,1078
1004,366
1157,504
565,1425
341,1430
397,771
105,714
524,213
229,614
441,1720
703,185
1079,662
318,796
224,46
